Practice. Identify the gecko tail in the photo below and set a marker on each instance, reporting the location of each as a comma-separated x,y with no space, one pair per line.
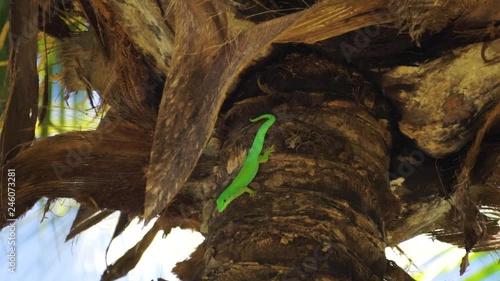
270,117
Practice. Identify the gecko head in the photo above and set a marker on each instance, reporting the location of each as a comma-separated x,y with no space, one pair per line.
223,202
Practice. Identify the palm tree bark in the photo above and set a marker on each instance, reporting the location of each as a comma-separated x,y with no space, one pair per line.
323,197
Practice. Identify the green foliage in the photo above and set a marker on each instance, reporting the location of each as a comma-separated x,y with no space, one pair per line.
486,271
483,266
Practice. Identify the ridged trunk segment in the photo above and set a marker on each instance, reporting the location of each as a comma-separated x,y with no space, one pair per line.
317,212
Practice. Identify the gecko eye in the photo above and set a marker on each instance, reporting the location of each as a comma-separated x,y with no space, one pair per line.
225,200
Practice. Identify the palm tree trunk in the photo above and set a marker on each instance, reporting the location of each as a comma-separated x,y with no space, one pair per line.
317,213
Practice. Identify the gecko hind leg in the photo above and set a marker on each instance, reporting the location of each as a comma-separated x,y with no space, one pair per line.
249,190
265,156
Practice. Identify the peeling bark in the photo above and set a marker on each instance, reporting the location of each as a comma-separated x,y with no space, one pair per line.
100,169
143,22
443,101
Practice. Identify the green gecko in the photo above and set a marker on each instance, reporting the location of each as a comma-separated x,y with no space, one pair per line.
250,165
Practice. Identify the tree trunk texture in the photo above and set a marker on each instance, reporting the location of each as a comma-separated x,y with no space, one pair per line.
380,136
323,197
